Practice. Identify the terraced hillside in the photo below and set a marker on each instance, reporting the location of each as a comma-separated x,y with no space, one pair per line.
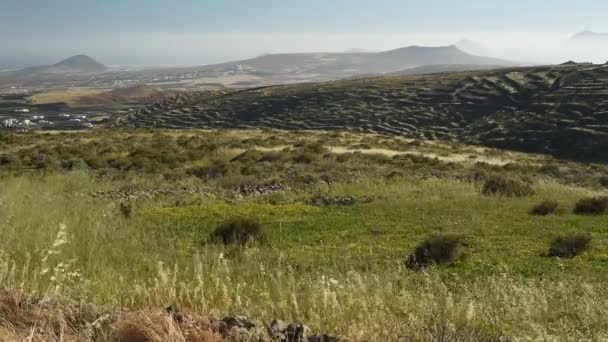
561,110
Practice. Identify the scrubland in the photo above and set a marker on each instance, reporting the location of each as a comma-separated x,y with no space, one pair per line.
123,222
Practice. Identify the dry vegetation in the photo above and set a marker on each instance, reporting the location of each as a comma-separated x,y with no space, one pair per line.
110,236
70,96
558,110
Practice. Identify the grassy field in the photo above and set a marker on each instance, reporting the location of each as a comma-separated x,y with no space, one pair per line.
338,266
71,96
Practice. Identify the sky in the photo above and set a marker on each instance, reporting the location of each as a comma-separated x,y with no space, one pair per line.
195,32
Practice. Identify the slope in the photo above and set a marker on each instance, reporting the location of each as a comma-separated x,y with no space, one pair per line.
559,110
73,66
351,64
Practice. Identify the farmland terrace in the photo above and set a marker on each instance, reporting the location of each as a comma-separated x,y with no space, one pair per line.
559,110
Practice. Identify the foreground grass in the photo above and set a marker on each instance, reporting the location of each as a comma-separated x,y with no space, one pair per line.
340,269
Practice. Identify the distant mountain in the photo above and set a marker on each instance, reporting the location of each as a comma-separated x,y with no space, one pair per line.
589,36
272,68
340,65
80,64
356,50
416,56
75,65
472,47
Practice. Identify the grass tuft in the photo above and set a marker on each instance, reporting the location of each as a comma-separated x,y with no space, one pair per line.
591,206
239,230
500,185
545,208
569,246
436,250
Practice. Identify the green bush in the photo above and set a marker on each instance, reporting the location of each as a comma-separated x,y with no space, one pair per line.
238,230
436,250
499,185
569,246
591,206
545,208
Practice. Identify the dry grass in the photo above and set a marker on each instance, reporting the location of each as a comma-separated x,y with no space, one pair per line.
71,97
320,265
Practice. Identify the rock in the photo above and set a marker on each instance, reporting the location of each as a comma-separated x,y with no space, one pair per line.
238,321
277,327
297,333
240,328
247,190
327,338
280,331
340,201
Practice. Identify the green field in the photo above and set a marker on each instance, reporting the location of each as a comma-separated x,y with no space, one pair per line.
339,267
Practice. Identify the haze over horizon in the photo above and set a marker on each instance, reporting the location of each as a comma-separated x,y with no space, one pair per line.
155,32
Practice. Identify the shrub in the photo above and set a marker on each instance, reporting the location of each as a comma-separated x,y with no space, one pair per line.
249,156
304,157
237,231
344,157
436,250
591,206
603,181
569,246
126,209
216,169
274,156
544,208
499,185
73,164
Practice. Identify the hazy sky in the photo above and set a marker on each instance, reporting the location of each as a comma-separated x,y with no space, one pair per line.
171,32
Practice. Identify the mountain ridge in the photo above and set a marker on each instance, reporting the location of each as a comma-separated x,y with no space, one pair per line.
353,63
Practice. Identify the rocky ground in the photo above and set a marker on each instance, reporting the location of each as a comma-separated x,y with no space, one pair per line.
45,319
560,110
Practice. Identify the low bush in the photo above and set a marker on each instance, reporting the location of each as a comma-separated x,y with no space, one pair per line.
274,156
544,208
304,157
591,206
241,231
500,185
126,209
436,250
569,246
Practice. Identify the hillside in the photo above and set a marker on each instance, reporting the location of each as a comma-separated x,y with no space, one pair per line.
357,63
137,94
337,224
559,110
73,66
79,63
589,36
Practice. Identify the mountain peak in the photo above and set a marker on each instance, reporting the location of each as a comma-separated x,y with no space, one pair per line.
587,34
81,63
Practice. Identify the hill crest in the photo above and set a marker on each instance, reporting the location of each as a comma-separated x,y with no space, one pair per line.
81,63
